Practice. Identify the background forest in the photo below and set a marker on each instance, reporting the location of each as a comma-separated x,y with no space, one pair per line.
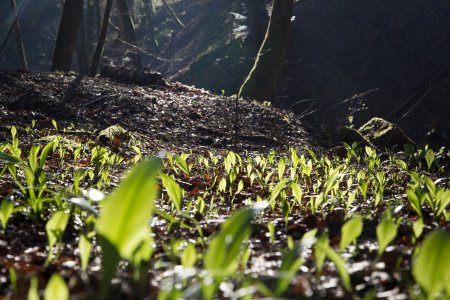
386,59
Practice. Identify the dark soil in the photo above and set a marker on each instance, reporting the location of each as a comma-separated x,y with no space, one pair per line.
173,115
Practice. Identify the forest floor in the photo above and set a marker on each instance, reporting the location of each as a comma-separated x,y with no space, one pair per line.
175,115
276,157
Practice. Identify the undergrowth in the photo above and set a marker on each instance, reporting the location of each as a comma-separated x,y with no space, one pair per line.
201,224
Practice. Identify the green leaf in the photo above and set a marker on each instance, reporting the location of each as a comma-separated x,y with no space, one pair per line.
340,266
319,251
85,247
431,268
386,232
429,157
221,257
271,229
124,218
44,153
240,187
56,288
297,192
181,162
350,231
414,201
5,212
10,159
33,293
443,199
32,158
281,168
418,228
290,264
351,198
142,254
332,180
55,227
189,256
276,191
173,190
363,185
123,224
222,185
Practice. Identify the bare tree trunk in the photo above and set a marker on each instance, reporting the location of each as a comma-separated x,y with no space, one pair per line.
101,40
21,48
148,9
127,32
82,48
90,24
67,35
261,82
99,16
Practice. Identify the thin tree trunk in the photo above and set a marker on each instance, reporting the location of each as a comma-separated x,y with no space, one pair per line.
101,40
90,21
261,82
67,35
20,47
148,9
127,32
81,48
173,14
99,15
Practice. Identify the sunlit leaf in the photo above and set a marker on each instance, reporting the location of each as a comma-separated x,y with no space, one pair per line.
181,162
276,191
33,292
222,185
271,229
123,220
173,190
56,288
431,269
429,157
350,231
123,223
443,199
221,257
5,212
414,201
44,153
340,266
297,192
290,264
386,232
85,247
55,227
319,251
281,168
418,227
189,256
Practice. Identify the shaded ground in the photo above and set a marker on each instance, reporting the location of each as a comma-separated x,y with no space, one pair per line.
177,114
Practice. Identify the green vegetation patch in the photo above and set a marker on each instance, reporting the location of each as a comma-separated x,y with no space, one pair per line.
198,223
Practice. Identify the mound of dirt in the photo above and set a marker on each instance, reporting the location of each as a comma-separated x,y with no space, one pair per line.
166,115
